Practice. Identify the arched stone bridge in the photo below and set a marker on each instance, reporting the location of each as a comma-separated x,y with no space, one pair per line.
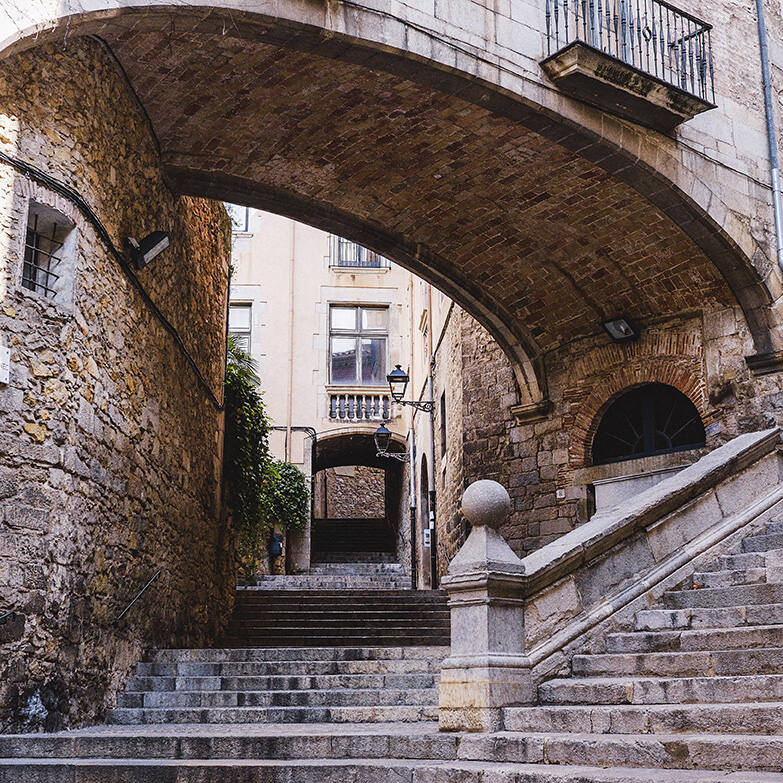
428,132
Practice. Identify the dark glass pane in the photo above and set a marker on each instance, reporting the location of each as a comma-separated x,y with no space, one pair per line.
344,360
651,419
374,361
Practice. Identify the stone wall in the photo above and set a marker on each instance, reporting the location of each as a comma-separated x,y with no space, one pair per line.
352,492
546,463
110,445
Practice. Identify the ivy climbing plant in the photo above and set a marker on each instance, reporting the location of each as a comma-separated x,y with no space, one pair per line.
262,491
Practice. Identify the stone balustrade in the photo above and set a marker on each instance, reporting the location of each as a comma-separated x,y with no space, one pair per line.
516,621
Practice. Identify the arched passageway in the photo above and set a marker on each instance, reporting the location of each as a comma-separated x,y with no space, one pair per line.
359,509
521,215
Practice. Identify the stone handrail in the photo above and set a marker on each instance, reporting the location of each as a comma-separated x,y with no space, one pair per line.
516,620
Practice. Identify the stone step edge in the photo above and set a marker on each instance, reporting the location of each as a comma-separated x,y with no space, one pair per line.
502,771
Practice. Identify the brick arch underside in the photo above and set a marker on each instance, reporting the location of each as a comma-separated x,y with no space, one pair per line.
356,448
538,228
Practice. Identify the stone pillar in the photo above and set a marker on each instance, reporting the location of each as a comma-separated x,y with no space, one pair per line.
487,668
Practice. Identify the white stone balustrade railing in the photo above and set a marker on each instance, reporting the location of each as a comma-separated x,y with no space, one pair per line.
356,405
515,621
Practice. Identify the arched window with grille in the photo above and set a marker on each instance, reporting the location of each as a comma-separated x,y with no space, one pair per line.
647,420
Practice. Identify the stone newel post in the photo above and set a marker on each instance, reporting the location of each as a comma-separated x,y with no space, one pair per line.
487,669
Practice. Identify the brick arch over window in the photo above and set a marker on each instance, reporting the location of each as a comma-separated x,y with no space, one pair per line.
685,378
522,207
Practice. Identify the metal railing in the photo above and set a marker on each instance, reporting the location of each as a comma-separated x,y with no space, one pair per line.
650,35
6,616
138,595
360,406
344,253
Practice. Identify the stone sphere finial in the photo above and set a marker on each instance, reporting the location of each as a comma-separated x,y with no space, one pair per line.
487,503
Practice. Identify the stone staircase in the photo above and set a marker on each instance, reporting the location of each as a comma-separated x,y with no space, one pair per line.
373,572
338,618
283,685
697,683
690,693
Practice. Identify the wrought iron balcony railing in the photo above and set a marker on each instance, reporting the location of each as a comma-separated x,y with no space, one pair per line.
344,253
649,35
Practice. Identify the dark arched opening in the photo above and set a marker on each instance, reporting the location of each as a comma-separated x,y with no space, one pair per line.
647,420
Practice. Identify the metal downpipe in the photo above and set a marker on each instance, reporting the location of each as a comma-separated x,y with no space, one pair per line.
771,137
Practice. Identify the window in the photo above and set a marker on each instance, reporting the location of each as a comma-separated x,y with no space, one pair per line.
239,322
357,345
240,218
47,267
344,253
650,419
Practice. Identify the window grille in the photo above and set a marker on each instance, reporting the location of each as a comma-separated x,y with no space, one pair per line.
648,420
345,253
44,242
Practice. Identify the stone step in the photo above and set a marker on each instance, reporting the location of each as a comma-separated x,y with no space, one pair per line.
278,682
728,578
661,690
776,526
312,619
746,718
355,568
687,640
700,617
681,664
630,759
287,668
741,595
353,557
336,697
173,655
330,582
367,714
242,638
140,770
763,543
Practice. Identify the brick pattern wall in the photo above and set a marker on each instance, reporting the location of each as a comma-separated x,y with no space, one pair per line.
110,450
546,465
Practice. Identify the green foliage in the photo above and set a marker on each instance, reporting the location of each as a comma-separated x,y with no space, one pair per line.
290,496
262,491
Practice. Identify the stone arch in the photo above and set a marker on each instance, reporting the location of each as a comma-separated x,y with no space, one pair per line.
623,379
533,264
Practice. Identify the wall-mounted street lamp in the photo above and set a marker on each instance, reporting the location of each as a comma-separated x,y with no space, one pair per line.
398,384
149,248
382,439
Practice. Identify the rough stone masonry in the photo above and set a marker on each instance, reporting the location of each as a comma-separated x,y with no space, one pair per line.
110,447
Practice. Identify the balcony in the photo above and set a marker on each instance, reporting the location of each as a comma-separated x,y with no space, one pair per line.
345,254
643,60
360,404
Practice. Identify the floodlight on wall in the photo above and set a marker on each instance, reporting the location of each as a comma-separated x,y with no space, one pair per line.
398,381
149,248
620,330
382,439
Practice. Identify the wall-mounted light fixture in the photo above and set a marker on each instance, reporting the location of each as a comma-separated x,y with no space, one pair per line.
620,330
382,439
398,384
149,248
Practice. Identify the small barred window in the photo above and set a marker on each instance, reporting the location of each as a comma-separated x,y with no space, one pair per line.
48,267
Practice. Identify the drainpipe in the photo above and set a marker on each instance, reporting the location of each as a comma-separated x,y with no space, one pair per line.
431,488
412,491
771,137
